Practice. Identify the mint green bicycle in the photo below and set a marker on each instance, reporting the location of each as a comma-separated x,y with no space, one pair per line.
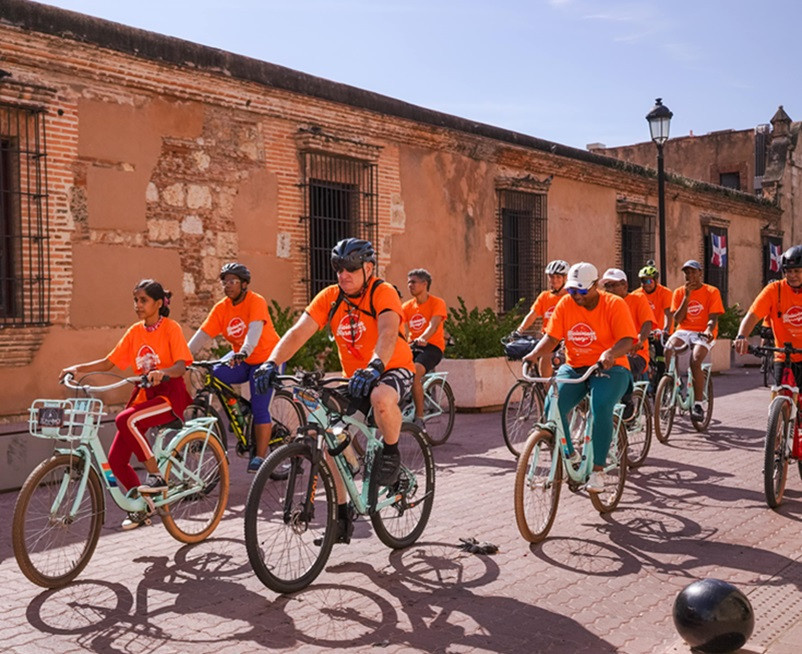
61,506
672,395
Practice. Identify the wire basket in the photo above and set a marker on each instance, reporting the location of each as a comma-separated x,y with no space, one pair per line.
74,419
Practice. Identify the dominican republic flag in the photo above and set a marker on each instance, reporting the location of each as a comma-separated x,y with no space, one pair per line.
719,258
775,257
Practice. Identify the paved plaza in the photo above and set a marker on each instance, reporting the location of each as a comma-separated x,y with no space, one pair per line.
597,584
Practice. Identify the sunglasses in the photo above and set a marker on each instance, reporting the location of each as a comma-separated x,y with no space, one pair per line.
578,291
646,280
339,265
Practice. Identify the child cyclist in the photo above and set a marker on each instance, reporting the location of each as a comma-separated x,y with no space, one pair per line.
155,347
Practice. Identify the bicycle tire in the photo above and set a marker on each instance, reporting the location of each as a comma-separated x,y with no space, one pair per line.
639,430
193,518
278,538
523,407
616,472
536,500
400,524
664,408
775,451
287,416
702,425
52,557
438,396
203,408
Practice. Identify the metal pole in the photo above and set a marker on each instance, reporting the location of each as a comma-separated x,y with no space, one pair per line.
661,212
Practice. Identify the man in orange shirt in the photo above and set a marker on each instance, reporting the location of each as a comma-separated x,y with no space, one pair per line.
696,308
423,316
244,321
597,328
781,303
365,316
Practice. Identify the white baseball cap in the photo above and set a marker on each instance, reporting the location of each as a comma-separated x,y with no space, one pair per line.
581,275
614,275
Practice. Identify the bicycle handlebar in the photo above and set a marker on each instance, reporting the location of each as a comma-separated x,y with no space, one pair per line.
563,380
759,350
67,381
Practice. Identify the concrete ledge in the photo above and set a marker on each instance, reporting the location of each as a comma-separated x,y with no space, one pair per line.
480,384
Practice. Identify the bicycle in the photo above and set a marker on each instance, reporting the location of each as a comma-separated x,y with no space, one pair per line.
291,523
639,426
672,394
61,506
287,415
782,443
545,461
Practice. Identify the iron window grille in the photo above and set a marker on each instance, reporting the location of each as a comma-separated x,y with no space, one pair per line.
637,245
716,267
521,247
24,233
340,201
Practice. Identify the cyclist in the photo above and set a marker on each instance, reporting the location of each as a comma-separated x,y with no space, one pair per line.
781,303
365,317
659,298
544,304
597,327
423,317
155,348
244,321
696,307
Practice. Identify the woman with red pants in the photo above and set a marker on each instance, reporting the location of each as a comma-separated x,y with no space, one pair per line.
154,347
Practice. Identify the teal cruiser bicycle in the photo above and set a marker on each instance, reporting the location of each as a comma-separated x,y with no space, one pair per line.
673,395
61,506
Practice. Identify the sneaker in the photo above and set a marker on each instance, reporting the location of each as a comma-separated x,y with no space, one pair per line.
419,423
345,528
254,465
153,484
135,520
388,468
698,412
596,482
629,408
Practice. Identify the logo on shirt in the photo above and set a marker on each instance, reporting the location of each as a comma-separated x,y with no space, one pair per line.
581,335
351,329
147,359
695,308
793,316
548,313
417,322
236,328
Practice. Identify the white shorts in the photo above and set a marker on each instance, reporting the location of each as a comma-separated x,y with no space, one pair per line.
683,338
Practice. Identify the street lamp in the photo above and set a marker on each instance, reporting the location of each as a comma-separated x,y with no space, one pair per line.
659,122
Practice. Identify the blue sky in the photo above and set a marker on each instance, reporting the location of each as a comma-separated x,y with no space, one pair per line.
570,71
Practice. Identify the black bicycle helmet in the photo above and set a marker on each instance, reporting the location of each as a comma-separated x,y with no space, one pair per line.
236,269
518,348
792,257
352,253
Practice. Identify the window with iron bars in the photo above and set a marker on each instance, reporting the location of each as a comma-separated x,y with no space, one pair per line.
24,247
340,201
521,247
716,265
637,245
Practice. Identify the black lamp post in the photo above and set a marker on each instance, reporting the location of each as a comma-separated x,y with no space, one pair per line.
659,122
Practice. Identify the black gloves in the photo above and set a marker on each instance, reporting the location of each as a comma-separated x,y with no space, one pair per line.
365,379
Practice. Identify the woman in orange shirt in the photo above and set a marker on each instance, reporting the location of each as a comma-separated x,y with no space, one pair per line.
155,348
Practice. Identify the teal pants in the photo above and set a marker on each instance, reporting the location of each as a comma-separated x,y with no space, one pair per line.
606,389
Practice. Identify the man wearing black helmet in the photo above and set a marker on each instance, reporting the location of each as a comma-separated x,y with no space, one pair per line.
781,303
242,318
365,316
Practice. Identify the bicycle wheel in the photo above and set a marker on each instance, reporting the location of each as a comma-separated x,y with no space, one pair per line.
775,453
639,429
701,425
287,415
523,407
280,533
664,408
51,546
201,408
536,497
203,469
401,523
438,411
616,469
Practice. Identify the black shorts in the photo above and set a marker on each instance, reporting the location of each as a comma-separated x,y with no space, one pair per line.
398,378
428,356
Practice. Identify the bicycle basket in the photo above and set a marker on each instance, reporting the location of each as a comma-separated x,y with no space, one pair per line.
519,348
71,419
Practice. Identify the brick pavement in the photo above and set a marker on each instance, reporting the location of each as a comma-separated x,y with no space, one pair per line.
595,585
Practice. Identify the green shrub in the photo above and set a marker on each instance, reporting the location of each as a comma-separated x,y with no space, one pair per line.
477,334
729,321
319,353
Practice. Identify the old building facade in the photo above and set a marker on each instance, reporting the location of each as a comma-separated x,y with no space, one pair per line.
128,154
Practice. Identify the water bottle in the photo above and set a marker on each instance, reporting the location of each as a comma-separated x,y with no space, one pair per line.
238,410
350,455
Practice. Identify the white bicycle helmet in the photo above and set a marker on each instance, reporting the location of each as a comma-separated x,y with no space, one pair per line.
557,267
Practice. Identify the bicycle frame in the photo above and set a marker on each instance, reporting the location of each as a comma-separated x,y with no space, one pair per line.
224,392
430,409
687,401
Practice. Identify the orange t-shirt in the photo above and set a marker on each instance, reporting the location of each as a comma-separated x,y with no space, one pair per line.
419,317
588,333
232,320
640,311
701,304
787,327
355,330
545,302
659,300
